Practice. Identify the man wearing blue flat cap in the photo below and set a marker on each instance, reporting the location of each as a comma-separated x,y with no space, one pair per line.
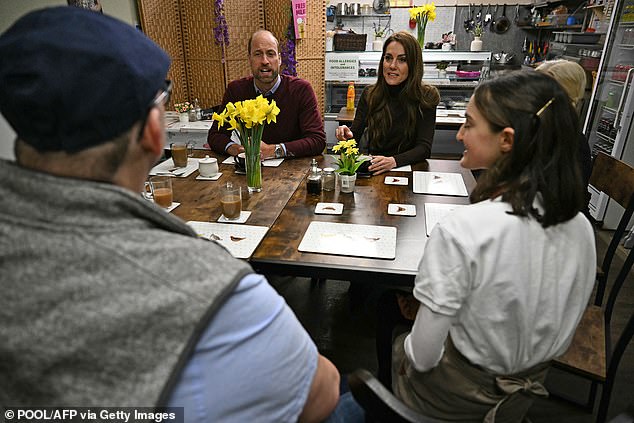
107,300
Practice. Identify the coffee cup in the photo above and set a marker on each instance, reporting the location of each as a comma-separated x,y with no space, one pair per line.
208,167
181,152
231,202
240,161
159,188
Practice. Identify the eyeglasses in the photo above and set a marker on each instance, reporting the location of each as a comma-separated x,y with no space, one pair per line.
164,96
161,98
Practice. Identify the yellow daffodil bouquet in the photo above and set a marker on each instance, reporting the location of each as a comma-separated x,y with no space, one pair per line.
248,118
422,15
349,158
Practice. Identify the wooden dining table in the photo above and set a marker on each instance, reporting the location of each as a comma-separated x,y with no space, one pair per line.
200,200
278,252
287,209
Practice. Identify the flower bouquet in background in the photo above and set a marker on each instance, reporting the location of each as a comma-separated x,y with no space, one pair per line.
183,107
183,110
422,15
349,161
248,118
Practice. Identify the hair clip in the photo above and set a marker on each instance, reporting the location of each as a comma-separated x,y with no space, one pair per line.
540,111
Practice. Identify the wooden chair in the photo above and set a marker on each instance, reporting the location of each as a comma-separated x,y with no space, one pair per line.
591,354
379,403
616,179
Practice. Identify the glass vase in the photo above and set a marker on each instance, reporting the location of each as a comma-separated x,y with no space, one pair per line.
253,166
421,36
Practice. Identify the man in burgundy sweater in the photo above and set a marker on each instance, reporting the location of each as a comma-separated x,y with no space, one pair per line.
299,130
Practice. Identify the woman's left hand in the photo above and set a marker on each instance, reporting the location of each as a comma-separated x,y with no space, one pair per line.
381,164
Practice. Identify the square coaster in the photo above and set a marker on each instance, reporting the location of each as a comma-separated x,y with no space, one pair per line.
170,208
228,161
209,178
396,180
329,208
244,215
402,209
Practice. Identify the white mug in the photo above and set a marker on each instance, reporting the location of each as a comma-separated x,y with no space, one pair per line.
208,167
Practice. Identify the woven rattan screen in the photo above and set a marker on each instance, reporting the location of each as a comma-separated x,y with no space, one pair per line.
244,17
205,71
160,20
309,51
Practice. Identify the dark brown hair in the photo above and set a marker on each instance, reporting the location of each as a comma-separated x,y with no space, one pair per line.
543,159
415,95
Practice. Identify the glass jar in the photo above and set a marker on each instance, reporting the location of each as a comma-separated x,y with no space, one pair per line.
328,179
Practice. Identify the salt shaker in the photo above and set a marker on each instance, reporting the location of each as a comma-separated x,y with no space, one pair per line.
328,179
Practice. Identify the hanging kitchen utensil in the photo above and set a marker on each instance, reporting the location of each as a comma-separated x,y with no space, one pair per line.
467,22
517,14
493,19
478,18
502,25
487,16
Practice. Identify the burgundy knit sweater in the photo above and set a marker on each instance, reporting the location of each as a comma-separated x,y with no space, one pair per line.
299,125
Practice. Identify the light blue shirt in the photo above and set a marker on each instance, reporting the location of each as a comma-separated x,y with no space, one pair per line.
253,363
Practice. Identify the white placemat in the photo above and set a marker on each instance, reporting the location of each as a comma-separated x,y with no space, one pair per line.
350,240
439,183
435,212
167,168
240,240
272,162
266,163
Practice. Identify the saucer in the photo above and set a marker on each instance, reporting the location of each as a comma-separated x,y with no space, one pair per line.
402,209
209,178
170,208
244,215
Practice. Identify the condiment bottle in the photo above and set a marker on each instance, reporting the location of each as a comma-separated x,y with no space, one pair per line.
350,96
197,109
313,182
328,179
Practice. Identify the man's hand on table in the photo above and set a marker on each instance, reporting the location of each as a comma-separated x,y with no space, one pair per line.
234,149
267,151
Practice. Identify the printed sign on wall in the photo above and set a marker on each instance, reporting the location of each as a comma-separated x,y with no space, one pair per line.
342,67
299,18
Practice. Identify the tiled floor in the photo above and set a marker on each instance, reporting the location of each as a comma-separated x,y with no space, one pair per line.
346,337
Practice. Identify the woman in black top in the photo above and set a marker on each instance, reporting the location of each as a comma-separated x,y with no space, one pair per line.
395,117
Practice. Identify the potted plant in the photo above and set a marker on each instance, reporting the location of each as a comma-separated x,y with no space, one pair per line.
476,44
348,161
379,34
183,110
442,68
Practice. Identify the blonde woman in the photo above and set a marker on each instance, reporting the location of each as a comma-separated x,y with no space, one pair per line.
572,78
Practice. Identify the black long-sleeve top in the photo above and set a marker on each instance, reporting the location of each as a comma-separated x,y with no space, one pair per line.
404,151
